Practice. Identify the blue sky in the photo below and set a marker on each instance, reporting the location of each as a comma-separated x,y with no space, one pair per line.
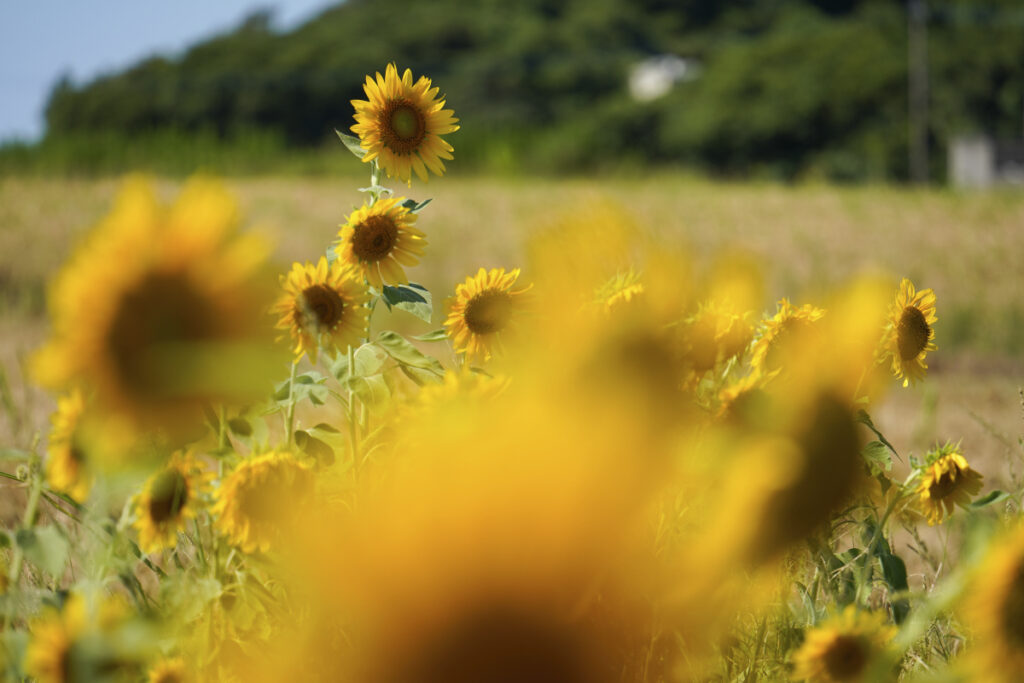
42,39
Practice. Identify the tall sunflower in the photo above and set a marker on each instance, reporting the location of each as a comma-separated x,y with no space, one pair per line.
322,307
946,481
67,470
379,239
844,648
162,309
255,503
789,321
170,498
995,612
910,336
483,307
401,123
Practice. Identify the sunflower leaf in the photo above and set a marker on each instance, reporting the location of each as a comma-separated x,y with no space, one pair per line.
420,376
414,206
314,447
352,143
989,498
435,336
45,547
411,298
402,350
877,456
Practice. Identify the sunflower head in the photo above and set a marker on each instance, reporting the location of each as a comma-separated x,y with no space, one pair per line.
171,498
946,481
910,335
400,125
67,468
484,308
619,290
379,240
843,649
169,670
322,307
788,325
257,502
161,310
995,611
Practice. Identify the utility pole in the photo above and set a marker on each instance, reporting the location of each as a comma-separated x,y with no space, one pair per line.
917,84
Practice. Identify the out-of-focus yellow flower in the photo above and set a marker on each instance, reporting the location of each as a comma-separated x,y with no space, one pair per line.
256,503
323,307
170,670
787,325
844,648
378,240
170,499
400,124
713,335
162,310
67,469
484,308
994,611
910,335
946,481
619,290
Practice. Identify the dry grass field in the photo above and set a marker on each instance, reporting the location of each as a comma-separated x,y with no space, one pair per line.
965,246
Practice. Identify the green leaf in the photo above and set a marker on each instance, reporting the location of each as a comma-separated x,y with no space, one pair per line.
419,375
339,368
308,386
45,547
373,390
5,539
415,207
352,143
368,360
240,426
865,419
995,496
411,298
402,350
314,447
877,456
435,336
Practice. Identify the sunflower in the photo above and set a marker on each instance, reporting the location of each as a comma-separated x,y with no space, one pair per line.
484,306
256,502
169,670
619,290
48,658
171,498
66,467
787,323
910,336
995,611
843,648
946,481
400,125
160,311
323,306
714,335
379,239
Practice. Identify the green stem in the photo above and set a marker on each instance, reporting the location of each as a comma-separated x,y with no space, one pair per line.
289,423
35,493
222,428
353,426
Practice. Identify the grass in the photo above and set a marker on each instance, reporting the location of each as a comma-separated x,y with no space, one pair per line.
809,238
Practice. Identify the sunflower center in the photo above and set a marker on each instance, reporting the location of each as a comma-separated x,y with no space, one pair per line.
912,333
1012,612
501,646
944,485
374,238
319,307
488,312
403,126
167,496
162,315
846,658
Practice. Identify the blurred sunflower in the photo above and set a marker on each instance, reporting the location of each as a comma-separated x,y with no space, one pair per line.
714,335
484,306
169,500
169,670
844,648
909,335
946,481
48,657
323,307
401,123
66,468
787,323
619,290
378,240
256,502
995,611
161,310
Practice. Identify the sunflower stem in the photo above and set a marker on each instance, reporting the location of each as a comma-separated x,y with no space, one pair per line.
353,426
289,422
374,182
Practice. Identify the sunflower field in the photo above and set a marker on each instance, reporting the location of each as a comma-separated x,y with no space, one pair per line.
608,463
